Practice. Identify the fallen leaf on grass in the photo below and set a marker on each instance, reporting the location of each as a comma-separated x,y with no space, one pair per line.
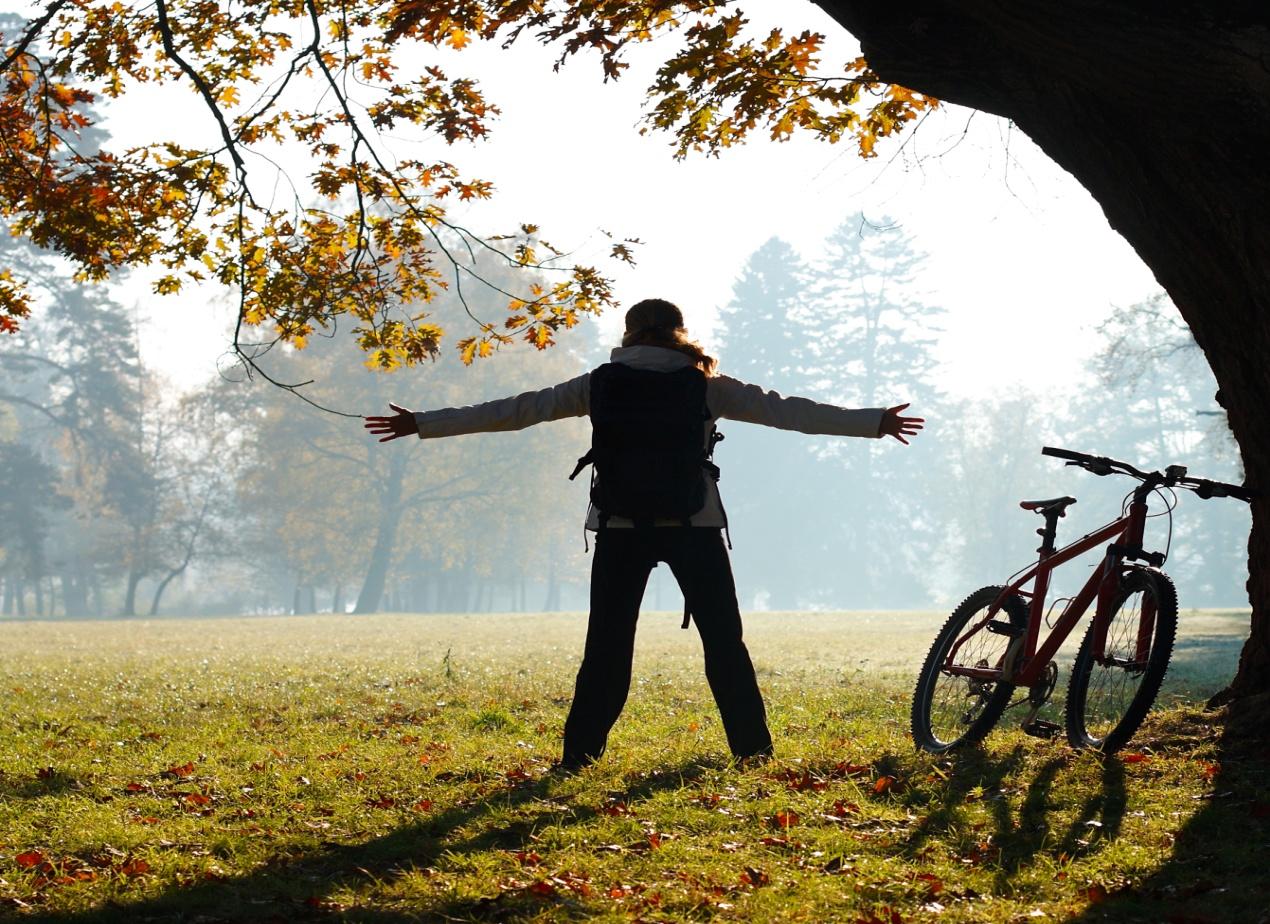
527,858
181,771
884,784
843,809
423,805
134,867
754,877
383,802
28,859
785,818
1095,893
934,885
1134,758
846,768
837,865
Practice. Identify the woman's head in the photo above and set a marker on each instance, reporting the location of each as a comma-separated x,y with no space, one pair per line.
657,322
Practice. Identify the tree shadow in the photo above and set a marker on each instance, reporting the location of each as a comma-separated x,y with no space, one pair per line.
1218,869
294,888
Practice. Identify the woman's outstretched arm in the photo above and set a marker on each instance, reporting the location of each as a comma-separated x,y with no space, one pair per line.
568,399
735,400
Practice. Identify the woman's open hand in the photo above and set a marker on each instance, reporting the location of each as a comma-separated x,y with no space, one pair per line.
398,425
899,427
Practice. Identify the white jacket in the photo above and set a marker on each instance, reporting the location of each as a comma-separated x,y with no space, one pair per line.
725,398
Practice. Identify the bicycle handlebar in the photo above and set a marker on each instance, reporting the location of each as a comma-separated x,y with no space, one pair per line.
1174,477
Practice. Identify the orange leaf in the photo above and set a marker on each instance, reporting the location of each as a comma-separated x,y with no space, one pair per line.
785,818
29,859
1096,893
133,867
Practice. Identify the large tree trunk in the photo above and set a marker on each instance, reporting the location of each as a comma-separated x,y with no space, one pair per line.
372,593
130,595
168,578
1162,112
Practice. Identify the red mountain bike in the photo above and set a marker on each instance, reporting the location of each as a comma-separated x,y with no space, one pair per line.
991,644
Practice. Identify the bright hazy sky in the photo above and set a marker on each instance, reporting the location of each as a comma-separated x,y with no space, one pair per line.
1019,254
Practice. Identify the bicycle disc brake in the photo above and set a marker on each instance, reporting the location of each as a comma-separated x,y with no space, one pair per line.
978,692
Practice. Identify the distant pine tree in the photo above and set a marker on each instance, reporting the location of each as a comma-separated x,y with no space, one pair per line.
870,333
769,476
761,333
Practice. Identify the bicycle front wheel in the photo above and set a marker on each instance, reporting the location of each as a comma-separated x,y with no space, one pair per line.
1109,696
950,709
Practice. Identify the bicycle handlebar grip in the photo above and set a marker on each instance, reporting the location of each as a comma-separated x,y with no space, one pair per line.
1209,489
1241,492
1064,454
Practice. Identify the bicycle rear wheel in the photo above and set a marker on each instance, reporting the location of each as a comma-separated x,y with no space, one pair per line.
951,710
1108,697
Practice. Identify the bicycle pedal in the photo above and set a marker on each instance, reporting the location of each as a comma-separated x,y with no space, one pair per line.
1039,728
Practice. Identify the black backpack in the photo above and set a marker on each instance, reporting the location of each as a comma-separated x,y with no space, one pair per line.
648,444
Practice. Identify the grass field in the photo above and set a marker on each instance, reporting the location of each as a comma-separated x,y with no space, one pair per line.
396,768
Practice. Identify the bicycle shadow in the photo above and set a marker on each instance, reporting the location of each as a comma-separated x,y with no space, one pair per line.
1018,837
295,888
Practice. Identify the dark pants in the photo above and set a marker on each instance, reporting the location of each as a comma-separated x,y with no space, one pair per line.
620,567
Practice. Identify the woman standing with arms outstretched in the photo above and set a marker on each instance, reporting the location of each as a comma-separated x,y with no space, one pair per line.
655,498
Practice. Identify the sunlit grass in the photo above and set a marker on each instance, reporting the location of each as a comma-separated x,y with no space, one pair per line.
397,768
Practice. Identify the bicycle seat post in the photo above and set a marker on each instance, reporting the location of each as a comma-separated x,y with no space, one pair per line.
1048,532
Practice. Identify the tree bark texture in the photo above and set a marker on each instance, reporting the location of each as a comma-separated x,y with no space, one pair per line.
1161,109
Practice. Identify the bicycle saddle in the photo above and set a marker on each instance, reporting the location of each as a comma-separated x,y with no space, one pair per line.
1045,506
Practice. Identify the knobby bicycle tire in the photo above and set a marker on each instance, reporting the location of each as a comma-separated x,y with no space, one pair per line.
984,700
1106,679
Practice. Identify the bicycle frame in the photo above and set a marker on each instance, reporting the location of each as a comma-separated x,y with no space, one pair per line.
1102,585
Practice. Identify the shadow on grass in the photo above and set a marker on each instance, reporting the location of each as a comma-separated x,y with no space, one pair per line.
1015,841
1219,868
291,889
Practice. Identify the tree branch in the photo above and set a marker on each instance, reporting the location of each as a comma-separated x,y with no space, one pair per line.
36,27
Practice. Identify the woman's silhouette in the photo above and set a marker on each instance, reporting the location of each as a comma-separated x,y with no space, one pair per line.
653,409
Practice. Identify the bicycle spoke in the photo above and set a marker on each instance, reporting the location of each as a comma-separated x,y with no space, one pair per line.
957,700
